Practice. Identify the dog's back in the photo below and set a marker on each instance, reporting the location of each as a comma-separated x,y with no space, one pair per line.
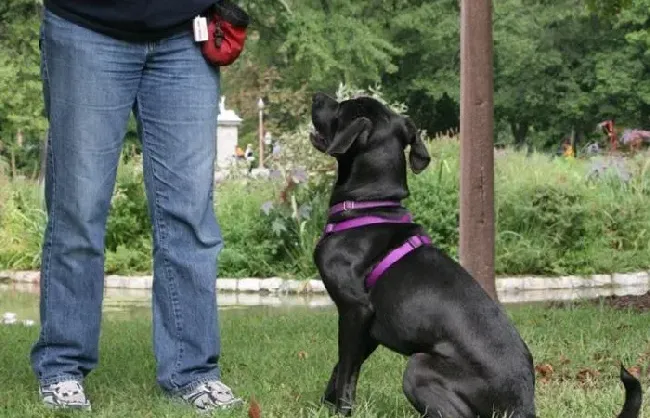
427,303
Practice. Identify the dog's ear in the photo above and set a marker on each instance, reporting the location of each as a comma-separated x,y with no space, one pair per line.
356,131
418,155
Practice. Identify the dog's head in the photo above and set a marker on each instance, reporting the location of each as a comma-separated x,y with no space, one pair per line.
368,140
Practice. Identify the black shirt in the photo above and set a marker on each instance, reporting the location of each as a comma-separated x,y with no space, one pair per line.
131,20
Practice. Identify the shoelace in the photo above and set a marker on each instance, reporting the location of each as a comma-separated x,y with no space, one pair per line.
218,387
71,390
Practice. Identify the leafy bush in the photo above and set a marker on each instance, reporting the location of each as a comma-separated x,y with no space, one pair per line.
298,217
129,220
554,216
250,247
434,196
22,224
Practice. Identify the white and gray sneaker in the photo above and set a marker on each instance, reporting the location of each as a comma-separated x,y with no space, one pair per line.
212,395
68,394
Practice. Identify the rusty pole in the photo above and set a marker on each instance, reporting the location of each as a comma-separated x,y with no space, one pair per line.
260,107
477,142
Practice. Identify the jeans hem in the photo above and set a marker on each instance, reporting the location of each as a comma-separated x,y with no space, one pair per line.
190,387
59,378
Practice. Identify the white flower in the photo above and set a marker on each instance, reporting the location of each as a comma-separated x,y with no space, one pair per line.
9,318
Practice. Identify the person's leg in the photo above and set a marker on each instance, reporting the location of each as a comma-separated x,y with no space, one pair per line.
177,109
89,85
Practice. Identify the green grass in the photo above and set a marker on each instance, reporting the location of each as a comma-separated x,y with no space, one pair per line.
283,357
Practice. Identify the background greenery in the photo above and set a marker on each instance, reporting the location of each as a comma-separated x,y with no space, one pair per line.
560,67
554,216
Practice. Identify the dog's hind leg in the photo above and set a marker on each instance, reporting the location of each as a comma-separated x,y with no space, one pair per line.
355,345
425,389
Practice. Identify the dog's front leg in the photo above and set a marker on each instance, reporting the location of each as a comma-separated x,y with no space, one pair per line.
355,345
329,398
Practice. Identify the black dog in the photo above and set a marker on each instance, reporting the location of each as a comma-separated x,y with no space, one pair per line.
466,357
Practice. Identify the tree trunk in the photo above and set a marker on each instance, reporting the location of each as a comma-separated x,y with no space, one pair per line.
476,249
519,132
578,139
13,164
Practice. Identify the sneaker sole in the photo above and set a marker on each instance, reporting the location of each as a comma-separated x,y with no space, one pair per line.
238,403
67,407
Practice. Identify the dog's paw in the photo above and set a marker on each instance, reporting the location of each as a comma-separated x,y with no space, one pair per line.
334,409
331,406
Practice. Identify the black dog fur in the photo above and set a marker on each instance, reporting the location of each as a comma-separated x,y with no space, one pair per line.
467,359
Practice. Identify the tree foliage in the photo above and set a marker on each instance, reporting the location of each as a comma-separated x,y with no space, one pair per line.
21,104
561,66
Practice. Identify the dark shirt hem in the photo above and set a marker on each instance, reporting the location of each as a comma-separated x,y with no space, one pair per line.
122,31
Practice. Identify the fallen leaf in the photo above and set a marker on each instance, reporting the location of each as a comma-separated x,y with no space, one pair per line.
587,374
302,355
254,410
546,370
643,357
635,371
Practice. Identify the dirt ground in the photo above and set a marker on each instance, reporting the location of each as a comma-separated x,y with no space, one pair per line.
636,302
640,303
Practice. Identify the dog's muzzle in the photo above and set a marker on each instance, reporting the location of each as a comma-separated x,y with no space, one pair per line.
317,138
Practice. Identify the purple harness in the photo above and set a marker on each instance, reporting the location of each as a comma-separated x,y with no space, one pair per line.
392,257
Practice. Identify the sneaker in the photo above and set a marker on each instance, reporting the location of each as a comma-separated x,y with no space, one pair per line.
212,395
68,394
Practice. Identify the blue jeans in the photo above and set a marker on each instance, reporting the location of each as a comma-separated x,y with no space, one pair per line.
91,84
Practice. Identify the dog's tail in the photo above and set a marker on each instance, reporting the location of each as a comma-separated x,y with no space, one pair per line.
633,395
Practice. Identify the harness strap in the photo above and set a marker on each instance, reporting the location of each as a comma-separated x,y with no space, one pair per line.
363,221
412,243
351,205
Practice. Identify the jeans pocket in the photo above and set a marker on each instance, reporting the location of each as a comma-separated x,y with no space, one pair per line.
41,34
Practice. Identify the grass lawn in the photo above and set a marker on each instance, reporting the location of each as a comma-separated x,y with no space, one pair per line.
282,358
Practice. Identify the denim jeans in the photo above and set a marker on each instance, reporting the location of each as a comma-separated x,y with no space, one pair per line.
91,84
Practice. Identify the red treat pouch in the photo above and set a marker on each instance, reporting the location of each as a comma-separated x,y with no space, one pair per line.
226,32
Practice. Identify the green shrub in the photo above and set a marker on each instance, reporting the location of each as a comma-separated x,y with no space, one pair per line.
128,222
297,220
22,224
434,196
553,216
250,247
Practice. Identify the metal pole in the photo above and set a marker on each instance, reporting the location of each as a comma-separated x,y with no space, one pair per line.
260,105
477,143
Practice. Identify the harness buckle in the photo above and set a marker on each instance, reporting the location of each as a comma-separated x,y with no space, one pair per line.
415,241
348,205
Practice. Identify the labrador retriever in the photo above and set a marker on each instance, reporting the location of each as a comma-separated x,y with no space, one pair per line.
392,286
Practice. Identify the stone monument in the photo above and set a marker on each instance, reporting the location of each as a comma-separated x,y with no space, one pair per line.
227,135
